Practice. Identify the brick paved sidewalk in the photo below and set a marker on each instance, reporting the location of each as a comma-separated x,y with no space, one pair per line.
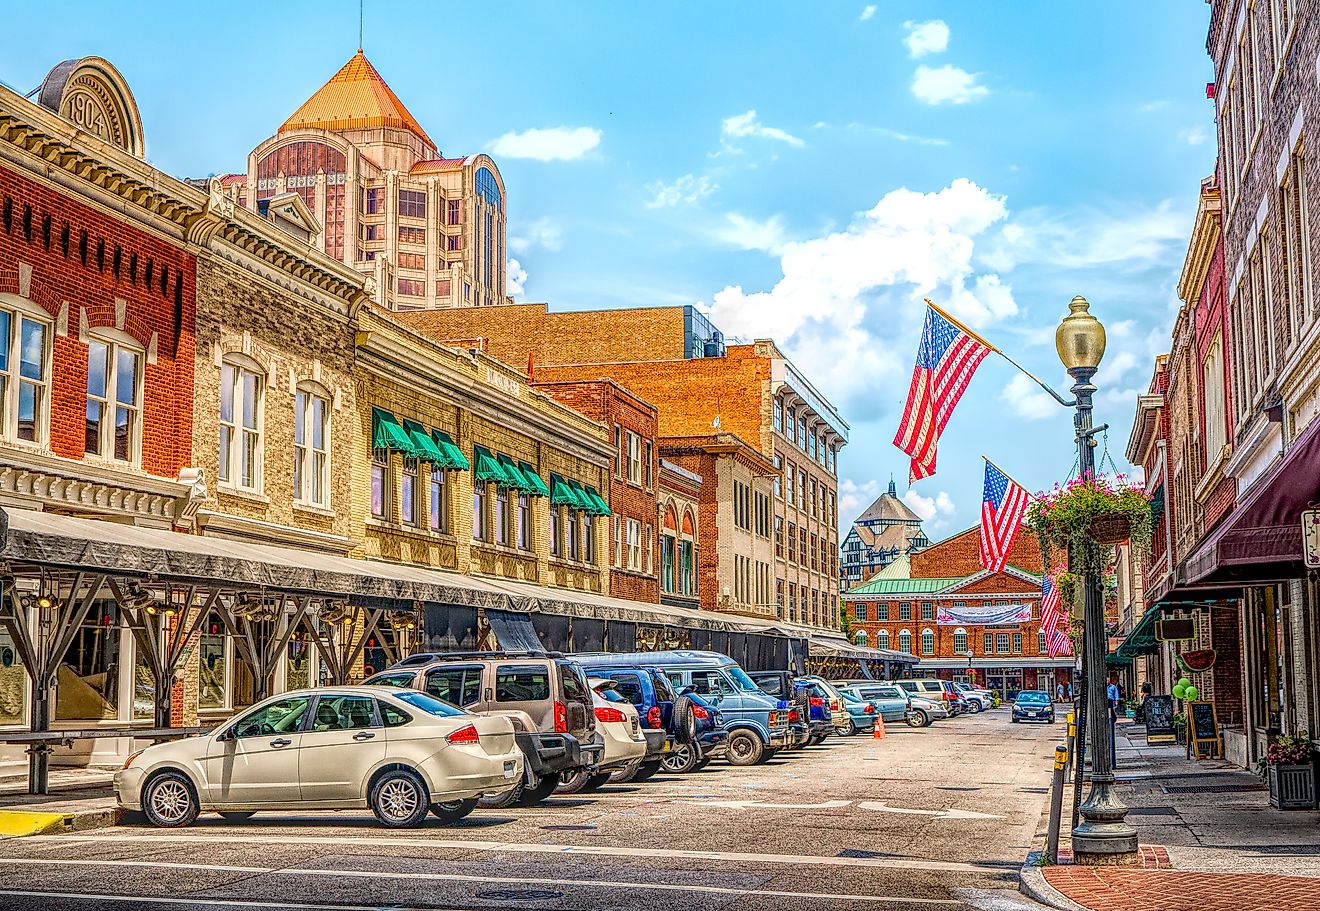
1137,889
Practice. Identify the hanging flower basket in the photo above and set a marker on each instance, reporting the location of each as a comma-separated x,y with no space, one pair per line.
1114,528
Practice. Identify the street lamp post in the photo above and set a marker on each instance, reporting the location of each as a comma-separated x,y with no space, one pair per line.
1103,836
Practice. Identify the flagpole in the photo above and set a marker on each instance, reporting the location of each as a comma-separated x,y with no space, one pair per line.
1031,376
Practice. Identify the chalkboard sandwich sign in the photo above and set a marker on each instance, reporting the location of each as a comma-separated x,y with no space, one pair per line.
1203,731
1159,719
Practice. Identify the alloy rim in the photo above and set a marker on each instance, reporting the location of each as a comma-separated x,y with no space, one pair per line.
677,759
740,747
398,799
170,800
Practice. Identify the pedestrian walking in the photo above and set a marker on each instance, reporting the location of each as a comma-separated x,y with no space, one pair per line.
1058,690
1114,695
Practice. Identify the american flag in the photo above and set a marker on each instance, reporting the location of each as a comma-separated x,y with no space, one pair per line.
1003,502
946,360
1056,638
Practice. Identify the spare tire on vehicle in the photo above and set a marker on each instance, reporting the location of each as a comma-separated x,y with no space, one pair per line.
685,720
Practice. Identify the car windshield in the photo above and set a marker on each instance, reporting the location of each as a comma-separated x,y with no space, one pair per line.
741,680
429,704
849,697
609,694
1033,696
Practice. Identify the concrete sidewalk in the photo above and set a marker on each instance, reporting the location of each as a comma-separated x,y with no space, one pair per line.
80,799
1210,841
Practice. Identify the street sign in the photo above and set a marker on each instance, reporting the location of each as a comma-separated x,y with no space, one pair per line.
1311,537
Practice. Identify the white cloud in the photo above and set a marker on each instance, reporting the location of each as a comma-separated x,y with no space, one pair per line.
1152,106
934,512
516,282
552,144
750,234
854,497
747,124
946,84
1194,136
1130,236
849,303
543,232
867,12
926,37
686,190
1028,400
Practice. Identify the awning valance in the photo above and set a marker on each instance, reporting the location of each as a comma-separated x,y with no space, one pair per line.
598,505
423,443
1141,641
488,468
388,433
517,480
454,457
532,477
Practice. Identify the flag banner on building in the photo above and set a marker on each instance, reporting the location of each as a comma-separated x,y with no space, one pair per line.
1003,503
985,615
946,359
1052,621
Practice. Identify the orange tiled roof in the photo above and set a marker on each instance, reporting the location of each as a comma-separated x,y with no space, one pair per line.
355,98
437,164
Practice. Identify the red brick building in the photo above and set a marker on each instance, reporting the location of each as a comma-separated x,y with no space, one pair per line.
932,612
634,473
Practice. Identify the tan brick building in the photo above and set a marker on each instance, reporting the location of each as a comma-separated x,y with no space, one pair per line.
674,358
430,228
931,612
630,423
680,527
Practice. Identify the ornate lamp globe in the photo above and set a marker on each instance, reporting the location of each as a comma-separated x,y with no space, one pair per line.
1080,338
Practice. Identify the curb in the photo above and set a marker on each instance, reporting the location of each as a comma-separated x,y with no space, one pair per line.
1032,883
21,823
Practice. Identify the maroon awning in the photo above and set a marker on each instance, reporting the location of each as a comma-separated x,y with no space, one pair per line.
1261,540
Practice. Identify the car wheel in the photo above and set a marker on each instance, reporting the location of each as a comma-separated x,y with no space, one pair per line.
538,792
627,773
237,815
646,770
975,707
453,810
745,748
399,799
848,729
917,719
579,781
169,801
683,760
502,800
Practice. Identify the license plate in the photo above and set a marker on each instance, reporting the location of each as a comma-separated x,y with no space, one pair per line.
669,745
510,769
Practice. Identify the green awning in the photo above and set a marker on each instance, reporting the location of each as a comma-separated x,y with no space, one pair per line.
601,507
427,451
563,494
489,470
1141,641
454,457
534,479
388,433
516,479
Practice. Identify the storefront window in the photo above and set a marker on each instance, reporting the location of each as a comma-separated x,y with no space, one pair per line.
13,682
212,664
88,678
144,685
297,672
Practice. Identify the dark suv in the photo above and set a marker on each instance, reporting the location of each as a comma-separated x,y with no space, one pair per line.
813,716
667,720
545,695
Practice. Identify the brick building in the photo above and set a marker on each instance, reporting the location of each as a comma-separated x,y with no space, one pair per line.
674,358
949,612
429,227
631,423
679,502
885,531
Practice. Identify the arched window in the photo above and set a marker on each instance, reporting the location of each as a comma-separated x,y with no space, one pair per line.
904,641
859,638
488,187
687,555
311,445
928,641
668,550
960,641
882,639
242,406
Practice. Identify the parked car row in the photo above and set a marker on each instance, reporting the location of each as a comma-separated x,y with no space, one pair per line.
447,733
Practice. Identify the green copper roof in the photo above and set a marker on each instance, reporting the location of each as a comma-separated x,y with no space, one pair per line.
903,586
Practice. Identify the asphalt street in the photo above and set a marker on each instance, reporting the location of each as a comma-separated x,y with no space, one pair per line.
936,818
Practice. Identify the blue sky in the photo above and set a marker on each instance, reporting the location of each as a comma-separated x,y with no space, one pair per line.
806,171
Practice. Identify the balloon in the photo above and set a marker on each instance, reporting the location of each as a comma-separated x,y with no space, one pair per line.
1192,693
1185,682
1180,691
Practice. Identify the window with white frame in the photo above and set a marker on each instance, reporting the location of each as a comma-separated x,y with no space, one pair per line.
1040,641
905,640
24,373
311,454
524,522
501,524
114,400
380,483
1001,643
927,641
882,639
439,500
634,457
242,387
960,641
409,500
632,530
1212,390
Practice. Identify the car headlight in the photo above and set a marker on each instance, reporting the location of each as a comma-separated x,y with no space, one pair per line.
131,756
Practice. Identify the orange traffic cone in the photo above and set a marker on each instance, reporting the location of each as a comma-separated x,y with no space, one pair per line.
879,733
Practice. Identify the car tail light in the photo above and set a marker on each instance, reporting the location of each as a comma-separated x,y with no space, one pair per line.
700,712
834,705
870,709
793,716
609,716
131,756
654,718
561,718
466,734
774,719
817,702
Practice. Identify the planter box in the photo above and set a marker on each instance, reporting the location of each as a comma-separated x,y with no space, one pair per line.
1292,787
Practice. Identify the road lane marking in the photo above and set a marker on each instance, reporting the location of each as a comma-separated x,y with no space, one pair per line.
881,807
347,873
140,900
878,806
914,863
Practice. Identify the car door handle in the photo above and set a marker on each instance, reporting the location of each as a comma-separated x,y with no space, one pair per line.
363,735
280,742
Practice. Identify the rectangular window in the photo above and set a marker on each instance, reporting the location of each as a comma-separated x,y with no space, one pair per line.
454,242
1017,643
455,211
779,414
649,483
634,458
1212,386
443,287
1040,642
792,543
412,261
439,501
240,426
411,234
114,394
412,203
521,684
646,548
501,523
927,610
311,460
380,470
373,200
779,472
779,536
1001,643
411,287
633,544
788,484
23,392
988,643
555,537
409,502
802,545
373,232
792,425
861,611
960,642
571,533
815,550
479,530
620,457
588,539
905,610
524,522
